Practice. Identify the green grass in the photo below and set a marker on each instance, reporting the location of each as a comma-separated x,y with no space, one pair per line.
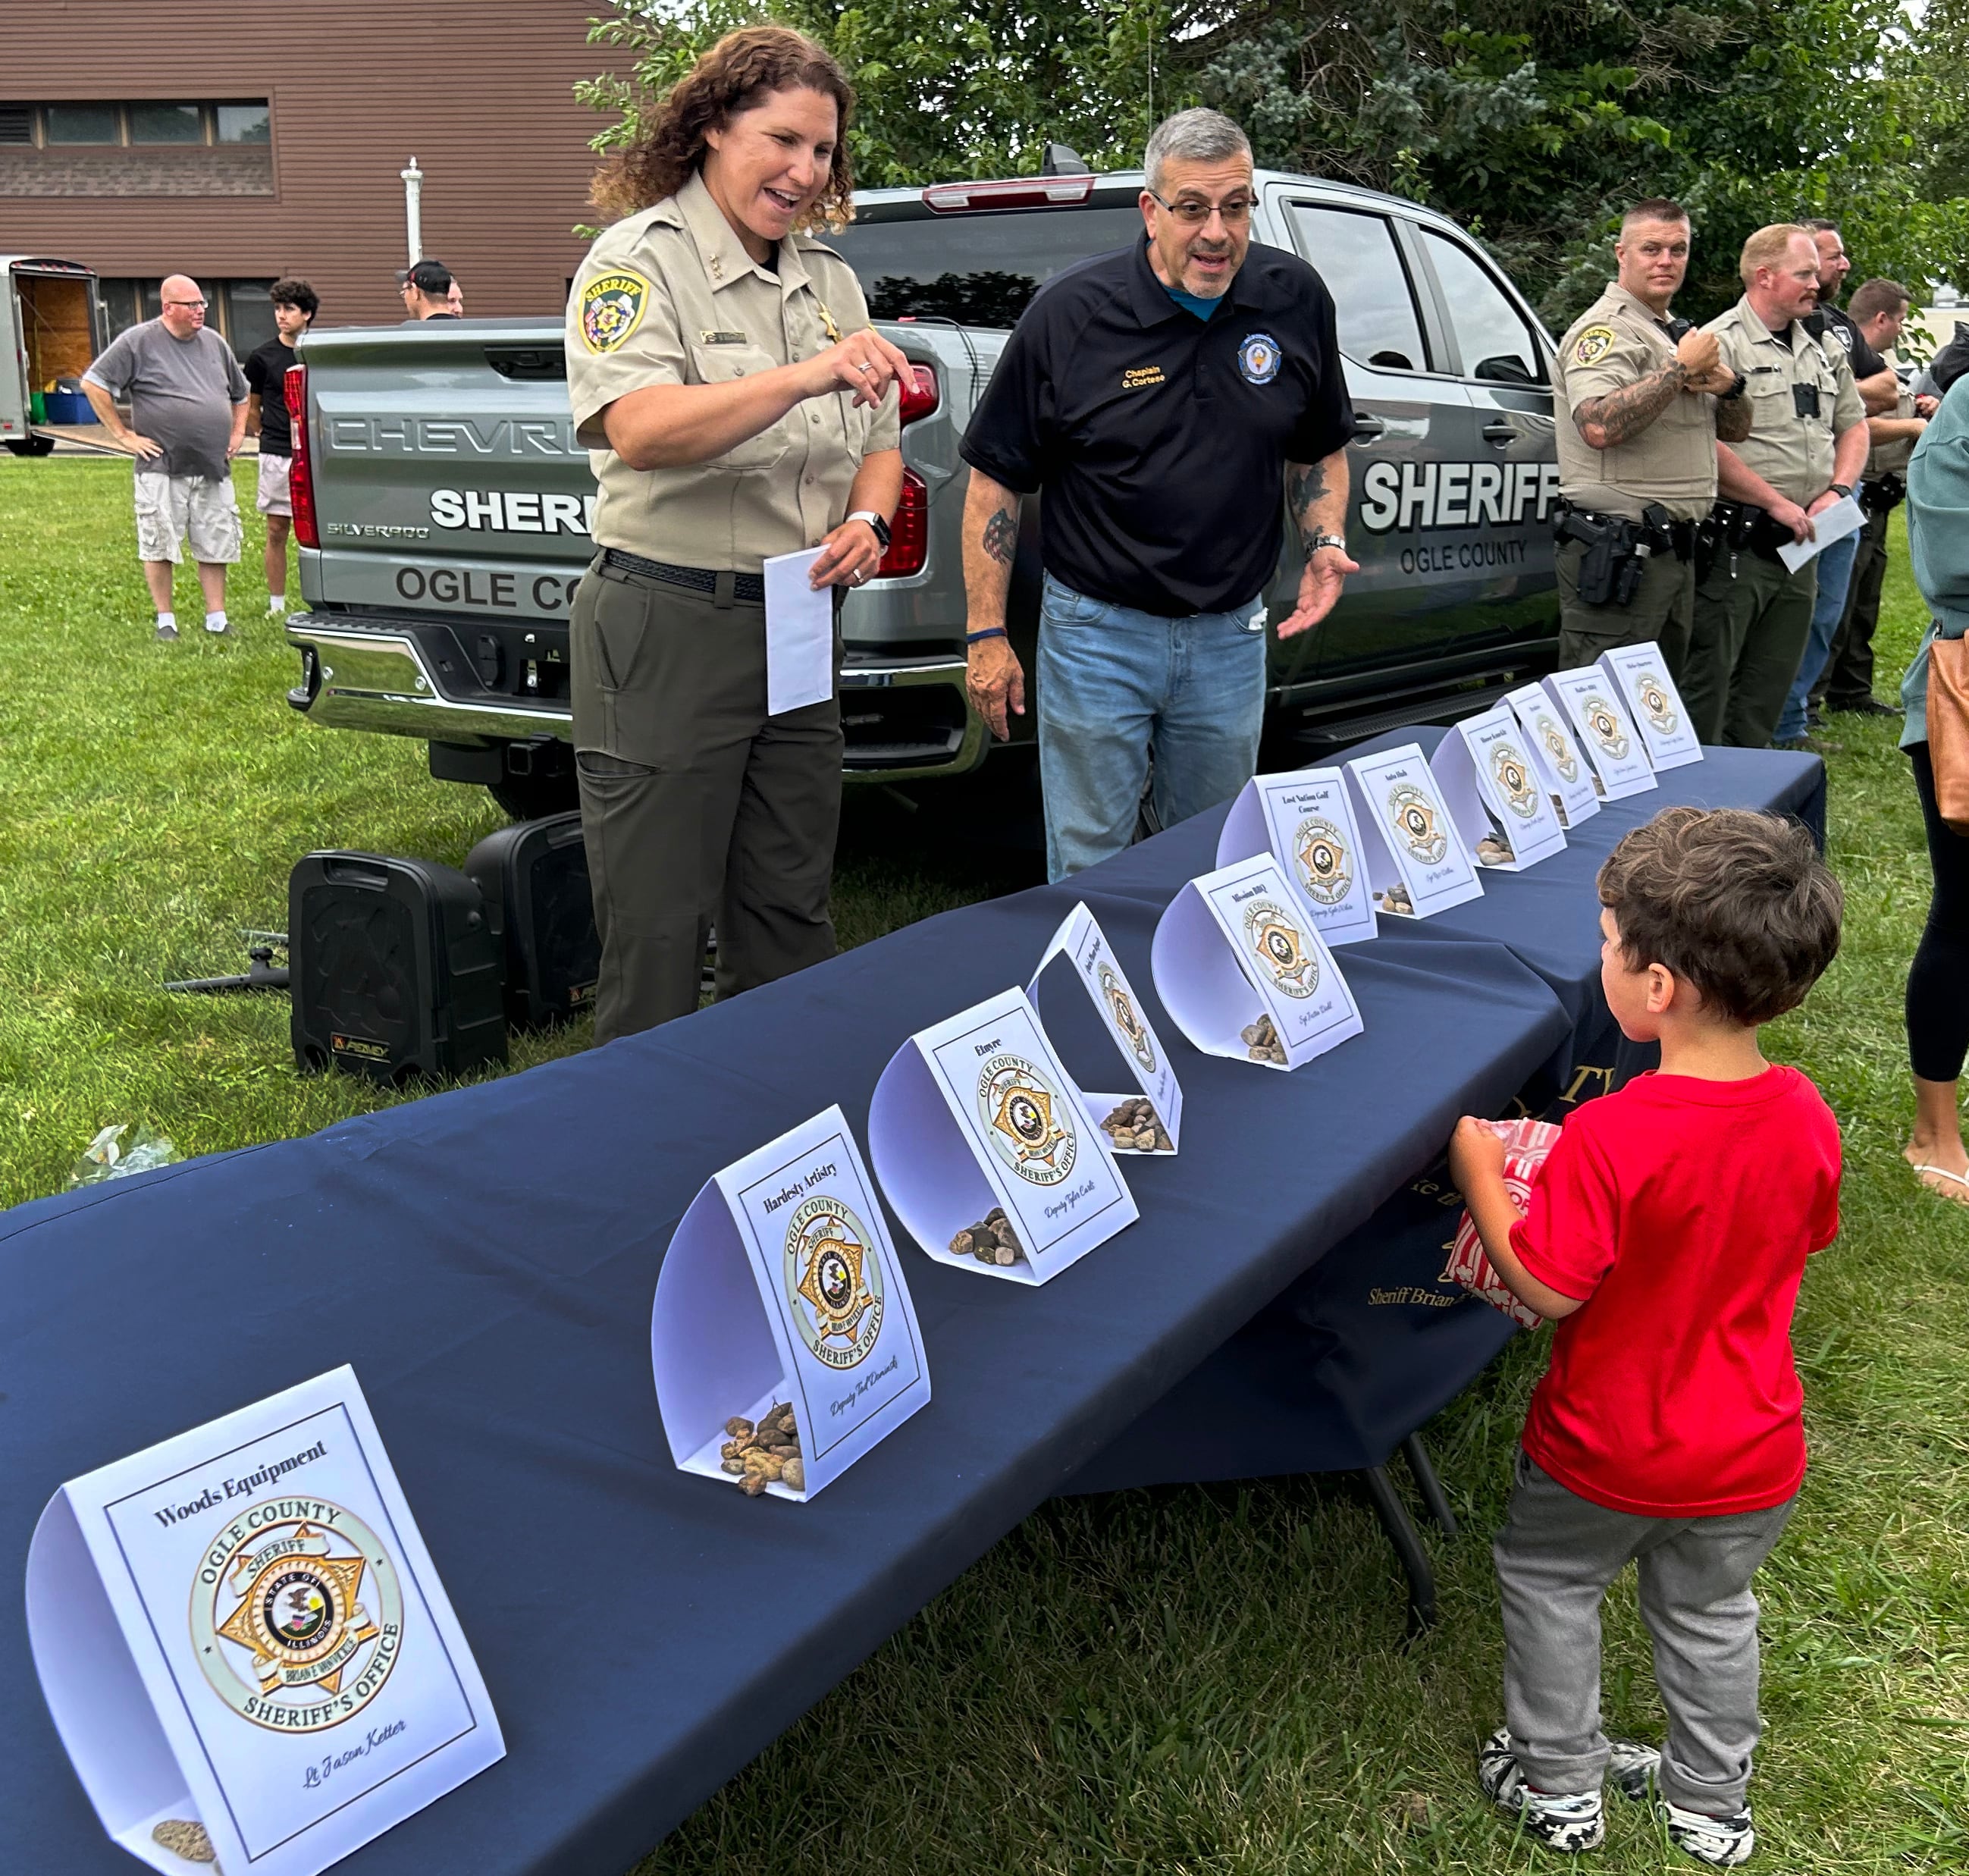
1186,1681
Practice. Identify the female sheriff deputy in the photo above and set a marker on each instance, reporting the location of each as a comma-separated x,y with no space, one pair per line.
720,366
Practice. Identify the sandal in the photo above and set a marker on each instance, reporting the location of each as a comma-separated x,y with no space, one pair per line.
1942,1172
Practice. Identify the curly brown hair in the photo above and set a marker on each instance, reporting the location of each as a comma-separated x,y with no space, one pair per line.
740,71
1737,902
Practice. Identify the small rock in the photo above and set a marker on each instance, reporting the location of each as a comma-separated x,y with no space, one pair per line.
792,1475
752,1483
738,1428
1493,851
184,1837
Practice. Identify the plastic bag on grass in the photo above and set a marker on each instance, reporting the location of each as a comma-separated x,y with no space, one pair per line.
110,1156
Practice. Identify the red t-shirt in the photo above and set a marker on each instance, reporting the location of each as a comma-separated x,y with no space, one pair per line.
1682,1212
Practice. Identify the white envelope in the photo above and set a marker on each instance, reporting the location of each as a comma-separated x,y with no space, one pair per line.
1235,945
240,1629
1081,939
1591,702
1305,820
780,1284
1410,837
1491,787
979,1112
1654,704
1845,517
1555,748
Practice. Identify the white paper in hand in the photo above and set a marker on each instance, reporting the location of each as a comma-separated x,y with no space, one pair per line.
1305,819
780,1285
1081,939
800,634
321,1690
1845,517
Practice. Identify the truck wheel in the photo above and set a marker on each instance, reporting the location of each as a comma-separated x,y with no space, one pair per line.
32,446
533,797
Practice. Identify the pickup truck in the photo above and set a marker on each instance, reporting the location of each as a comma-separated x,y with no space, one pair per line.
441,505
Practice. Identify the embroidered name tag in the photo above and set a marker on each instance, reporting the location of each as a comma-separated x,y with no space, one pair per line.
722,339
1141,377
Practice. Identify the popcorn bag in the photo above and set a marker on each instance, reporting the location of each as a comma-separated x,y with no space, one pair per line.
1526,1143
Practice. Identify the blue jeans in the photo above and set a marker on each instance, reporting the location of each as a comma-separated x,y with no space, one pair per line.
1835,572
1115,683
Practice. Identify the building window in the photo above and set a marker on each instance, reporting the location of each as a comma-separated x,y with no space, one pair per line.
81,123
147,122
166,123
243,123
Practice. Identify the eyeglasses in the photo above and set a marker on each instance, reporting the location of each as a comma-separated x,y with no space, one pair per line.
184,302
1194,213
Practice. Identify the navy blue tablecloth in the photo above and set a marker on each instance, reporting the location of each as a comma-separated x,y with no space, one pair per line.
485,1259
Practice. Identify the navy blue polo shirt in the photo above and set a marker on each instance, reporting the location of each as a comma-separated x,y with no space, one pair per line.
1160,439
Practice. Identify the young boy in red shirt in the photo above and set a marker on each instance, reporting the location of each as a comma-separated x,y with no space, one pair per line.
1666,1236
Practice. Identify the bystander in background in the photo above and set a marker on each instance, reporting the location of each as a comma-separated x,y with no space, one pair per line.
295,305
188,418
427,288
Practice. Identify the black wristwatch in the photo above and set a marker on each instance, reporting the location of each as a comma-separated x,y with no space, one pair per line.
1839,489
875,521
1735,392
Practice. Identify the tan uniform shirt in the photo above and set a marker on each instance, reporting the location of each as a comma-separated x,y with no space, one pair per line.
1793,454
1891,458
1615,342
670,296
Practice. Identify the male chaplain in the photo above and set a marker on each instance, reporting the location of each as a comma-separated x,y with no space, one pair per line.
1159,398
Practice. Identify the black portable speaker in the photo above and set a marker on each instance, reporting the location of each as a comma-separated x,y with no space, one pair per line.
395,968
533,876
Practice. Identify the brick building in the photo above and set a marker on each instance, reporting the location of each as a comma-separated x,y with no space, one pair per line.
240,143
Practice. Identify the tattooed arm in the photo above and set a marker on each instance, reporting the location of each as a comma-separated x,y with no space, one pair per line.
1316,499
1620,416
994,677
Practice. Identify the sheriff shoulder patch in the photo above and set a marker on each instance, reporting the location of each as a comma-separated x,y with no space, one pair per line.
611,308
1593,345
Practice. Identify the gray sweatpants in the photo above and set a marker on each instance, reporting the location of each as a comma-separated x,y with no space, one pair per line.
1555,1557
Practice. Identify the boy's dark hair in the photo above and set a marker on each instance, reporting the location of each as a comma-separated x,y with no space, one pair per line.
1737,903
296,293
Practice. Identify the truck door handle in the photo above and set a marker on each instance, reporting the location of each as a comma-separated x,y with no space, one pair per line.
1499,432
1368,427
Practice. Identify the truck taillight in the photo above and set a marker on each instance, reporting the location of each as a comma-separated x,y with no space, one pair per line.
908,531
300,477
920,396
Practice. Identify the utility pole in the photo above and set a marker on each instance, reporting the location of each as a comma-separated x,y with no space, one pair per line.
414,220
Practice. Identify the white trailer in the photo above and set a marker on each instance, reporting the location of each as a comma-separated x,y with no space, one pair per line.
51,328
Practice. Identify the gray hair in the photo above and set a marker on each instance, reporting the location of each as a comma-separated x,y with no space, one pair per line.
1197,136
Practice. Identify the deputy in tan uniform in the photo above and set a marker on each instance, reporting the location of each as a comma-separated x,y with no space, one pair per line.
722,368
1637,463
1807,444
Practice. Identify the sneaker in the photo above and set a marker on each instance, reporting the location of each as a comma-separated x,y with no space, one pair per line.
1872,707
1632,1770
1723,1842
168,633
222,630
1568,1821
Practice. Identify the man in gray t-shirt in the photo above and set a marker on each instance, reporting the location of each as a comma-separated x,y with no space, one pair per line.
188,409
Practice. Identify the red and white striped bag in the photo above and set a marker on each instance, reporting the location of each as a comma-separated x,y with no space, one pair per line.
1526,1143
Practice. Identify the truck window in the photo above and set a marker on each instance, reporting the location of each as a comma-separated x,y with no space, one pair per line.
1355,255
978,269
1491,333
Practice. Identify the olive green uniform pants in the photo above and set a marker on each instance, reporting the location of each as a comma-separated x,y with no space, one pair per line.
1744,656
1847,681
696,807
1663,610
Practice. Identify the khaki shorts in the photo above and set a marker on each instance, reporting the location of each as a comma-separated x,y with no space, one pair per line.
272,498
172,508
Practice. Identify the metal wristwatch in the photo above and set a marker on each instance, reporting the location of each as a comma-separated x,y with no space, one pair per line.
876,522
1313,546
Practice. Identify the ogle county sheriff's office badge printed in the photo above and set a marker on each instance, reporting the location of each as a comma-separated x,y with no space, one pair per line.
1026,1120
833,1281
1593,345
612,306
1412,816
1605,725
1325,868
1258,359
1122,1008
297,1614
1276,942
1513,775
1559,746
1652,694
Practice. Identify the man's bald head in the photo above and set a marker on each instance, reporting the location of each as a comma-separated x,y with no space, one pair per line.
183,306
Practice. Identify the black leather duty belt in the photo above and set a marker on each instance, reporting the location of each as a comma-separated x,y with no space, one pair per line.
748,588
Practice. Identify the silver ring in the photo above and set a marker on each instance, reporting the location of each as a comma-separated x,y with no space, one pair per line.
859,577
864,368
